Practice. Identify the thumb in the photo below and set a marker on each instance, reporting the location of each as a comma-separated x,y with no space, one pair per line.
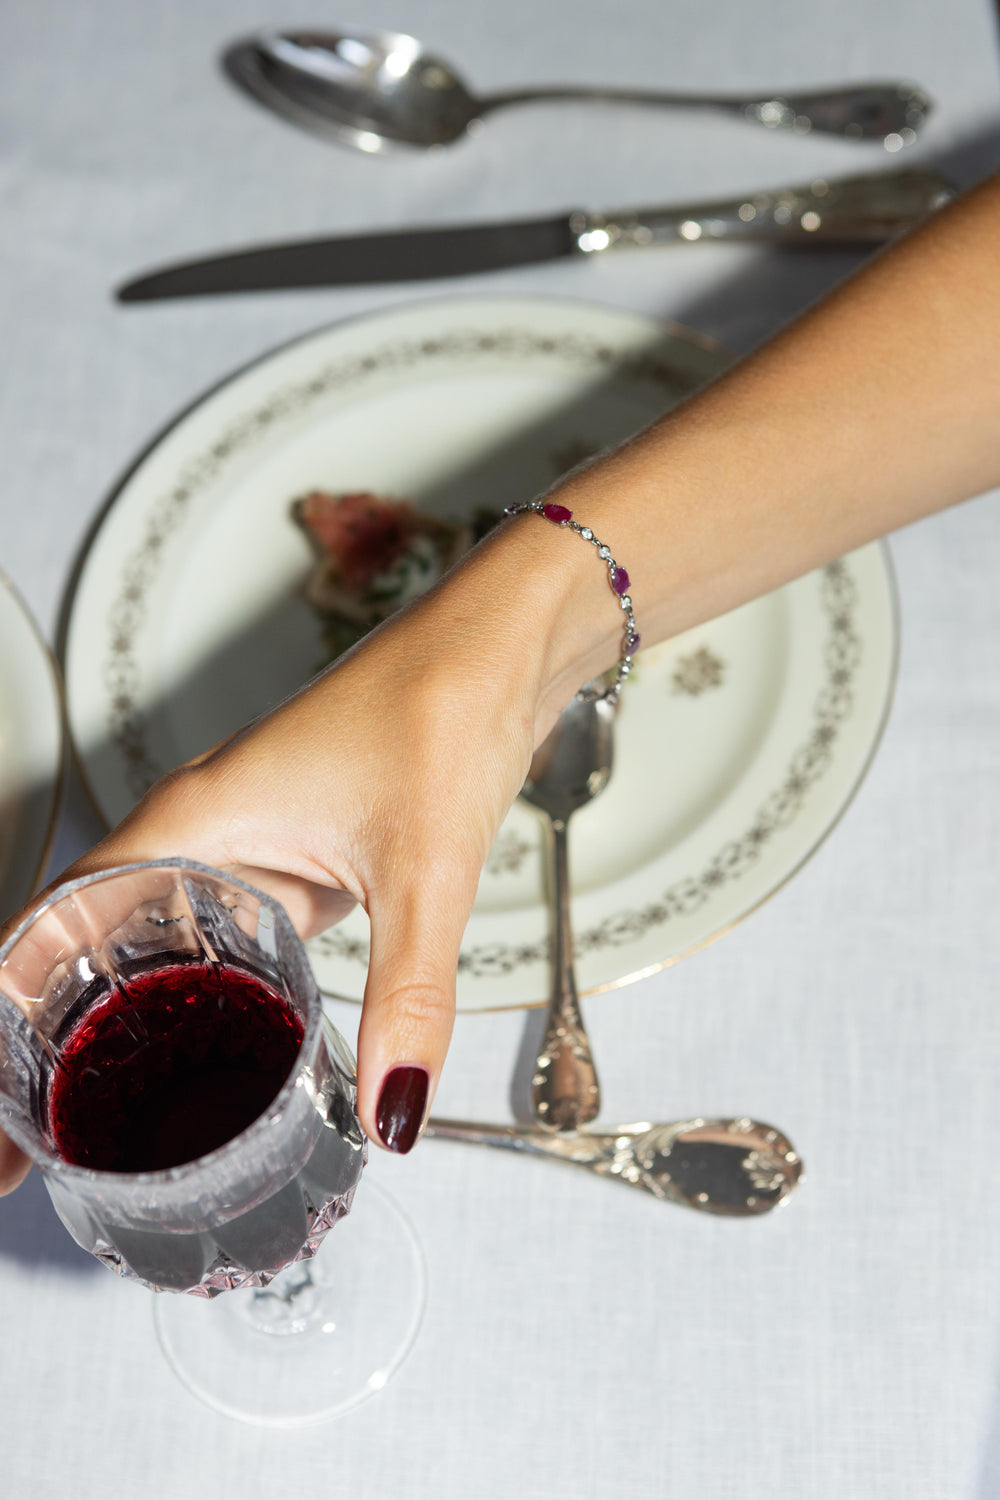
408,1014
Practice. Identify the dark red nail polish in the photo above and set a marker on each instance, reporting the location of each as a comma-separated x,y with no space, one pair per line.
399,1113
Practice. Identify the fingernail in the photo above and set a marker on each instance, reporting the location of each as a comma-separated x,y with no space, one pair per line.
400,1109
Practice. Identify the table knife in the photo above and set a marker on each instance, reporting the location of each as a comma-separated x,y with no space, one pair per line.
846,211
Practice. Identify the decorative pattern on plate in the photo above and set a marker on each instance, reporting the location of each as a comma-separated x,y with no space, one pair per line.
842,656
127,726
697,673
508,853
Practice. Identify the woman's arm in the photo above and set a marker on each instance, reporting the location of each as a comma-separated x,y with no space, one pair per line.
385,780
878,406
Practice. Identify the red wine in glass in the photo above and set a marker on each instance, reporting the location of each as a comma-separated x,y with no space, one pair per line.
174,1062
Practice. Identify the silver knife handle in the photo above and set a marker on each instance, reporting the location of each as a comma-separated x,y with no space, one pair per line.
849,210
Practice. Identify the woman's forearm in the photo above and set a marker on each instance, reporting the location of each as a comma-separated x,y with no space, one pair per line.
878,406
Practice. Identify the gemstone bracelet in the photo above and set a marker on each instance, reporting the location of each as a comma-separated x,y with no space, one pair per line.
618,579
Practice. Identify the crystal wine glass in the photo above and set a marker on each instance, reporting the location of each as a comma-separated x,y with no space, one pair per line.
166,1062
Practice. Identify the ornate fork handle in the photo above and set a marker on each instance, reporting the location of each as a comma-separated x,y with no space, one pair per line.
737,1167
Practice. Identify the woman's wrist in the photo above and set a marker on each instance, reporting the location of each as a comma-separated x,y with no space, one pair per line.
618,581
543,593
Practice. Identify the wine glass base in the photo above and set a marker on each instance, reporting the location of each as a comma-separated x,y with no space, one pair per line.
326,1335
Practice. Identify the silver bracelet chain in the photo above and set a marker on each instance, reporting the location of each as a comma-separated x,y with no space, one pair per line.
617,578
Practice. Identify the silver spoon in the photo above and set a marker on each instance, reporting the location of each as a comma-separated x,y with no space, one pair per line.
568,769
380,89
737,1167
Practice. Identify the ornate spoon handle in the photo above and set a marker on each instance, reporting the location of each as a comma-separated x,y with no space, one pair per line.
739,1167
564,1089
887,112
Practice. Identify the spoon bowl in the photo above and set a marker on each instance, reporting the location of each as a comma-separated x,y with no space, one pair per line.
373,92
381,90
573,764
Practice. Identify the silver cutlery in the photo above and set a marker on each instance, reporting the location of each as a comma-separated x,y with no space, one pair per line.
377,90
570,768
739,1167
841,211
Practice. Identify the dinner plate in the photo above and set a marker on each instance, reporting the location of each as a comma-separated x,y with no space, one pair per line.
738,744
31,750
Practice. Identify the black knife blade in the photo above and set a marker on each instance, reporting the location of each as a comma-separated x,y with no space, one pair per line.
862,210
356,260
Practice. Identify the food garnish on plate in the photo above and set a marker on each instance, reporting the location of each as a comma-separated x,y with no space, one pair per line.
373,554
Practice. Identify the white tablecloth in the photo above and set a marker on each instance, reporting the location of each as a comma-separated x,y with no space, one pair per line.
580,1339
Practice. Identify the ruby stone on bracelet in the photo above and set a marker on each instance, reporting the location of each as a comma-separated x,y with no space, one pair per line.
617,578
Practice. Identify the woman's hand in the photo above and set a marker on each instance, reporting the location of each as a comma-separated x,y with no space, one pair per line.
383,782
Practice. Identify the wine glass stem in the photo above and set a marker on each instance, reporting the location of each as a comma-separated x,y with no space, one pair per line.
289,1304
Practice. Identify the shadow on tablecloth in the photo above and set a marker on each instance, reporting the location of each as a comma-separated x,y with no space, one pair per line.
32,1232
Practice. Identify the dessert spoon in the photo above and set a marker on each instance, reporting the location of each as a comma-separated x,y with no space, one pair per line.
380,89
569,768
738,1167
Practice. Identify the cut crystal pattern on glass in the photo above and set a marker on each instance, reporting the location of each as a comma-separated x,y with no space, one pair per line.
237,1214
